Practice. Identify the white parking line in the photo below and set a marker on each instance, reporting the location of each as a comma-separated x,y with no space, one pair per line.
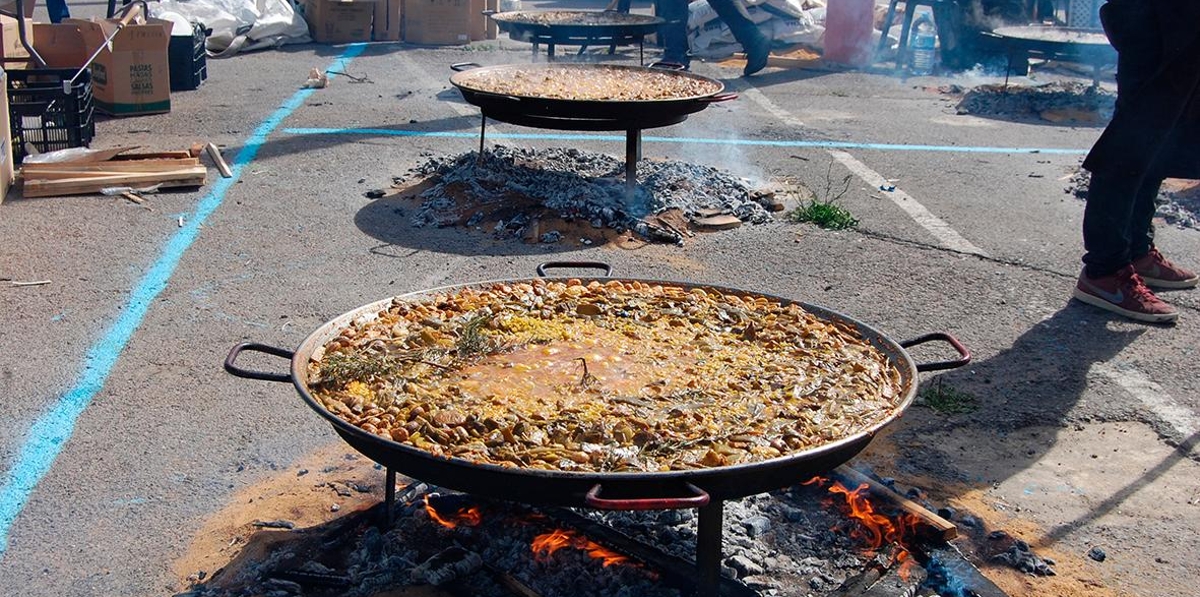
946,236
1182,420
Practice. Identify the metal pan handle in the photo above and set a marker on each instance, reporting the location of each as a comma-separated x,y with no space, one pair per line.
256,347
941,365
719,97
459,67
699,499
542,267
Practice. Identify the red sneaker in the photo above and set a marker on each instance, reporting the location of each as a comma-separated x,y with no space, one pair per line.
1158,272
1124,292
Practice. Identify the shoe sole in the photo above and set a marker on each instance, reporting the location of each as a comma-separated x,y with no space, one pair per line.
1096,301
1171,284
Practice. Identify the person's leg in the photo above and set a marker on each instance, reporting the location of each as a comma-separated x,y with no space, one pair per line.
1148,262
1141,222
57,10
756,45
1107,233
673,33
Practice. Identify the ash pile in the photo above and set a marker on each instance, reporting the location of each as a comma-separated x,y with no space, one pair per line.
526,193
1052,102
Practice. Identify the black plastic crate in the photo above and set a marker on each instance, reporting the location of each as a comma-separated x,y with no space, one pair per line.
188,60
45,115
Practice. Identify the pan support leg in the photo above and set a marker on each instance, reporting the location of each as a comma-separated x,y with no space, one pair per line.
389,497
482,133
708,549
633,153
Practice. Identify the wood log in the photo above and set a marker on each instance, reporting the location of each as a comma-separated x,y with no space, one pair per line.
937,526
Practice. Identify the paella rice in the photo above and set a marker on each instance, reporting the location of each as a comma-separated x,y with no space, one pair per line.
604,377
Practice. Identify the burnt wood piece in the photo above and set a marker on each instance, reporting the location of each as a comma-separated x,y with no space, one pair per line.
676,571
948,568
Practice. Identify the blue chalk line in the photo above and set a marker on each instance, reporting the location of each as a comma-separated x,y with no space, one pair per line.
688,140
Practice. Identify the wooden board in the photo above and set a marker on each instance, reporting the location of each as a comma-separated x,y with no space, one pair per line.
92,182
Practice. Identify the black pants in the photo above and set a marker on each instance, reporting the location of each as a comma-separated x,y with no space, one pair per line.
673,33
1118,218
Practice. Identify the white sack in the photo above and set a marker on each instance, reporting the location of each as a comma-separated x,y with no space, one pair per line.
239,25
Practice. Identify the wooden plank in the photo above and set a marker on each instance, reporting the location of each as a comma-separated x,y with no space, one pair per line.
215,154
940,527
101,155
193,176
37,170
180,154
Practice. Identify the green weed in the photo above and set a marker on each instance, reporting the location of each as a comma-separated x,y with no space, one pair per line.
825,212
947,400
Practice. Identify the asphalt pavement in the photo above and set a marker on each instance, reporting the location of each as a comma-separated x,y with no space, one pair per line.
121,433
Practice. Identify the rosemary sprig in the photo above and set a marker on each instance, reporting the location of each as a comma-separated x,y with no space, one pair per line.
339,369
474,342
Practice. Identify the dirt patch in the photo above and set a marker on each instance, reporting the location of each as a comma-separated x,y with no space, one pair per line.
327,485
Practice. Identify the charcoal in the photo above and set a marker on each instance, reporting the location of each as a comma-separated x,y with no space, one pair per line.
757,526
744,566
446,566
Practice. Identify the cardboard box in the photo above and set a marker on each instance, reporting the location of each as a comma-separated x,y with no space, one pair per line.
6,154
131,76
482,27
10,38
340,21
437,22
60,45
389,21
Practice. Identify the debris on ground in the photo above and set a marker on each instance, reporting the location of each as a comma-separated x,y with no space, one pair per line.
1016,553
1057,102
316,79
553,194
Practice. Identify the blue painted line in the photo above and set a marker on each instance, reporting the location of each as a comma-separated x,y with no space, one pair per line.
690,140
50,432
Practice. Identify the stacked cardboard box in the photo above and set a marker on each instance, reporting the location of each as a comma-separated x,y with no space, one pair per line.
389,21
340,21
437,22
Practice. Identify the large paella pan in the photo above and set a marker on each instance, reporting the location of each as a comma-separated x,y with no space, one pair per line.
465,416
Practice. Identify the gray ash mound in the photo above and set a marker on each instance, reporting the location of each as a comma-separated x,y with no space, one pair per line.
520,192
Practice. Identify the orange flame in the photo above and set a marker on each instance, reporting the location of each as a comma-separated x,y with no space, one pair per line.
876,529
469,516
546,544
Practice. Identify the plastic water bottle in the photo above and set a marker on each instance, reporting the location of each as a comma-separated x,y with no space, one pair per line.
924,45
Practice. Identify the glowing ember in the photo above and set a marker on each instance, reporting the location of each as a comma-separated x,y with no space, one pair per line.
469,516
546,544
